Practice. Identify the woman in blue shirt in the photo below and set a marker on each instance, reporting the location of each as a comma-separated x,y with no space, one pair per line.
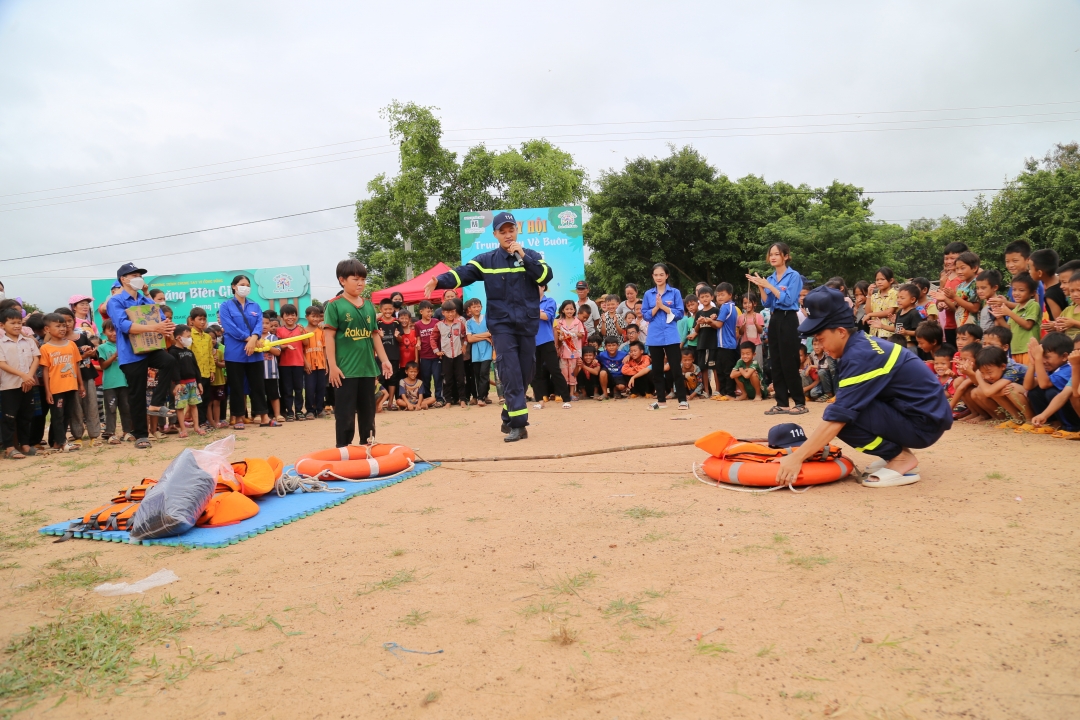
662,307
780,294
242,320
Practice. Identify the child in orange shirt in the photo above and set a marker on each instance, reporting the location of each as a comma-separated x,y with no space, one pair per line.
62,380
314,363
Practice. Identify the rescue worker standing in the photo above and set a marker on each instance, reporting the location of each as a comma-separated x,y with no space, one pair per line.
511,275
887,402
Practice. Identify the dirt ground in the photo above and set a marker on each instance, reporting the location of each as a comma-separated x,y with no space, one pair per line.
612,586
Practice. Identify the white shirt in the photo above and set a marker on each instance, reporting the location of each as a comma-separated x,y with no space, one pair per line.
20,355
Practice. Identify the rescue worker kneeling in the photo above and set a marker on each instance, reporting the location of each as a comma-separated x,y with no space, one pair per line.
887,401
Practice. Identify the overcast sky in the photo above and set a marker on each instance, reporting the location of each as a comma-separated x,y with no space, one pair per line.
101,91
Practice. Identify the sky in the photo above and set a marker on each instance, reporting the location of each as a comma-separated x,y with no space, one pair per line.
128,120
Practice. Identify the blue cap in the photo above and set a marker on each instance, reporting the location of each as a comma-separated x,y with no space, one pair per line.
501,219
786,435
129,269
826,308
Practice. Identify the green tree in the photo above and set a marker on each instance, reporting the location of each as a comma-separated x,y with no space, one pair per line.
396,226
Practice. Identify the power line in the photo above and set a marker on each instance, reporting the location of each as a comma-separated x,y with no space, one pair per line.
183,252
188,232
521,127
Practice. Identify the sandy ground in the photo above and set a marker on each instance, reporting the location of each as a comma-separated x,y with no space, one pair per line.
613,586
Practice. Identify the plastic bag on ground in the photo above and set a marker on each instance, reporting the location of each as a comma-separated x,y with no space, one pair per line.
214,458
174,505
161,577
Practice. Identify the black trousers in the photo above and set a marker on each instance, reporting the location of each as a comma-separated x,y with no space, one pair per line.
657,353
37,423
453,374
642,386
354,404
884,431
784,357
60,412
548,359
135,373
725,363
588,385
18,407
291,383
253,371
481,379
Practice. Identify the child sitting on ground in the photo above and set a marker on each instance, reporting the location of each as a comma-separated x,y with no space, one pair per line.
611,363
691,373
998,390
943,368
827,372
636,368
928,338
1049,386
747,374
807,371
998,336
962,364
411,390
1068,321
631,337
588,379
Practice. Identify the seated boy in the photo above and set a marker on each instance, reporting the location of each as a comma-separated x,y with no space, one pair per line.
636,369
411,390
588,378
691,373
998,336
808,372
1068,321
1049,384
929,337
826,372
998,389
631,337
747,374
962,383
611,362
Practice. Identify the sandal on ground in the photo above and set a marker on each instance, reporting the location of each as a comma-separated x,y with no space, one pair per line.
30,451
13,454
1009,425
1041,430
280,418
889,478
143,444
777,410
183,434
684,406
309,416
657,406
116,440
272,423
238,426
879,464
566,406
798,410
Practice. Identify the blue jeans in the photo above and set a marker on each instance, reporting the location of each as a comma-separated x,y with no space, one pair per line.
431,369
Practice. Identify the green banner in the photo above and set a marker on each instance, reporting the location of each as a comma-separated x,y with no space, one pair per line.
270,288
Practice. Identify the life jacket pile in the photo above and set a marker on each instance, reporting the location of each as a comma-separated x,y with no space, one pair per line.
230,504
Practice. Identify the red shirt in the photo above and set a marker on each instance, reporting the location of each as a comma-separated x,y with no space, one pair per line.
292,354
427,337
407,346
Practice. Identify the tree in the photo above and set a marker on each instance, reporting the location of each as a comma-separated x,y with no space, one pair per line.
396,227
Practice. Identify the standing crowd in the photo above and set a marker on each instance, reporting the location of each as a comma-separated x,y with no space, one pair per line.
1005,351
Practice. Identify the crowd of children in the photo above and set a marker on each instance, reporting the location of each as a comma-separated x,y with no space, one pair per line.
1006,353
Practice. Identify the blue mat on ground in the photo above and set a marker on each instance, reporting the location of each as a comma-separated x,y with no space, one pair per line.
274,511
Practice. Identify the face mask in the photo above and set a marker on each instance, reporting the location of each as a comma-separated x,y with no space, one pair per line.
160,302
242,291
136,283
397,303
2,296
185,341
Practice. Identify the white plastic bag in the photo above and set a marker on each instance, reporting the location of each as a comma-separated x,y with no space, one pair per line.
214,458
161,577
174,504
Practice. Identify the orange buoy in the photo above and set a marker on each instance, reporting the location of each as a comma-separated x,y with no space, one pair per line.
356,462
763,474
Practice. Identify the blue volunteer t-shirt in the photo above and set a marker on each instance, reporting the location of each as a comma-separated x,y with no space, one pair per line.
729,316
611,363
546,331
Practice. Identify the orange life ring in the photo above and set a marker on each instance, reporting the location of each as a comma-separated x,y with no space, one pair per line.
763,474
356,462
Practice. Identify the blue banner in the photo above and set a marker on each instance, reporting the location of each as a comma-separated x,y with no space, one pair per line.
554,232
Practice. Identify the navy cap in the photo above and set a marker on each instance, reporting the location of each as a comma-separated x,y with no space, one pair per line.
786,435
826,308
501,219
129,269
581,285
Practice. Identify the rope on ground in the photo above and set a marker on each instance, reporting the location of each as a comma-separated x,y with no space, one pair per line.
753,491
292,481
560,456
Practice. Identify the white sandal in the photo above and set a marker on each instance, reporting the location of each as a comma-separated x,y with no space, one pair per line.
885,477
879,464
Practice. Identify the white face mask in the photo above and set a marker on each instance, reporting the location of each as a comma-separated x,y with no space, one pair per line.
242,291
136,283
161,302
2,296
185,341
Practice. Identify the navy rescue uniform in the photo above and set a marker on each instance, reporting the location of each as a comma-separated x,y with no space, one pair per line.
513,317
888,399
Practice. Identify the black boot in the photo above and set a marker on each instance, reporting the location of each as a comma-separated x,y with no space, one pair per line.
516,434
505,428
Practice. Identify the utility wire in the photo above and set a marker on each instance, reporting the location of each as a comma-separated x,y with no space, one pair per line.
188,232
184,252
522,127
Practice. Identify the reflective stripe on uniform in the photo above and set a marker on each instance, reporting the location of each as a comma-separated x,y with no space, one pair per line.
515,413
544,275
456,278
872,444
483,269
893,357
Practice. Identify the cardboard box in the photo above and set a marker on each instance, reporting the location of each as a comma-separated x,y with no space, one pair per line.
145,342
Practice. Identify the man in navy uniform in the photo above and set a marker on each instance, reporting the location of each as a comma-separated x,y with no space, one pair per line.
887,402
511,275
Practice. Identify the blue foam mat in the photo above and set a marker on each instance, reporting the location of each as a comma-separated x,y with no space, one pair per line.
274,511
